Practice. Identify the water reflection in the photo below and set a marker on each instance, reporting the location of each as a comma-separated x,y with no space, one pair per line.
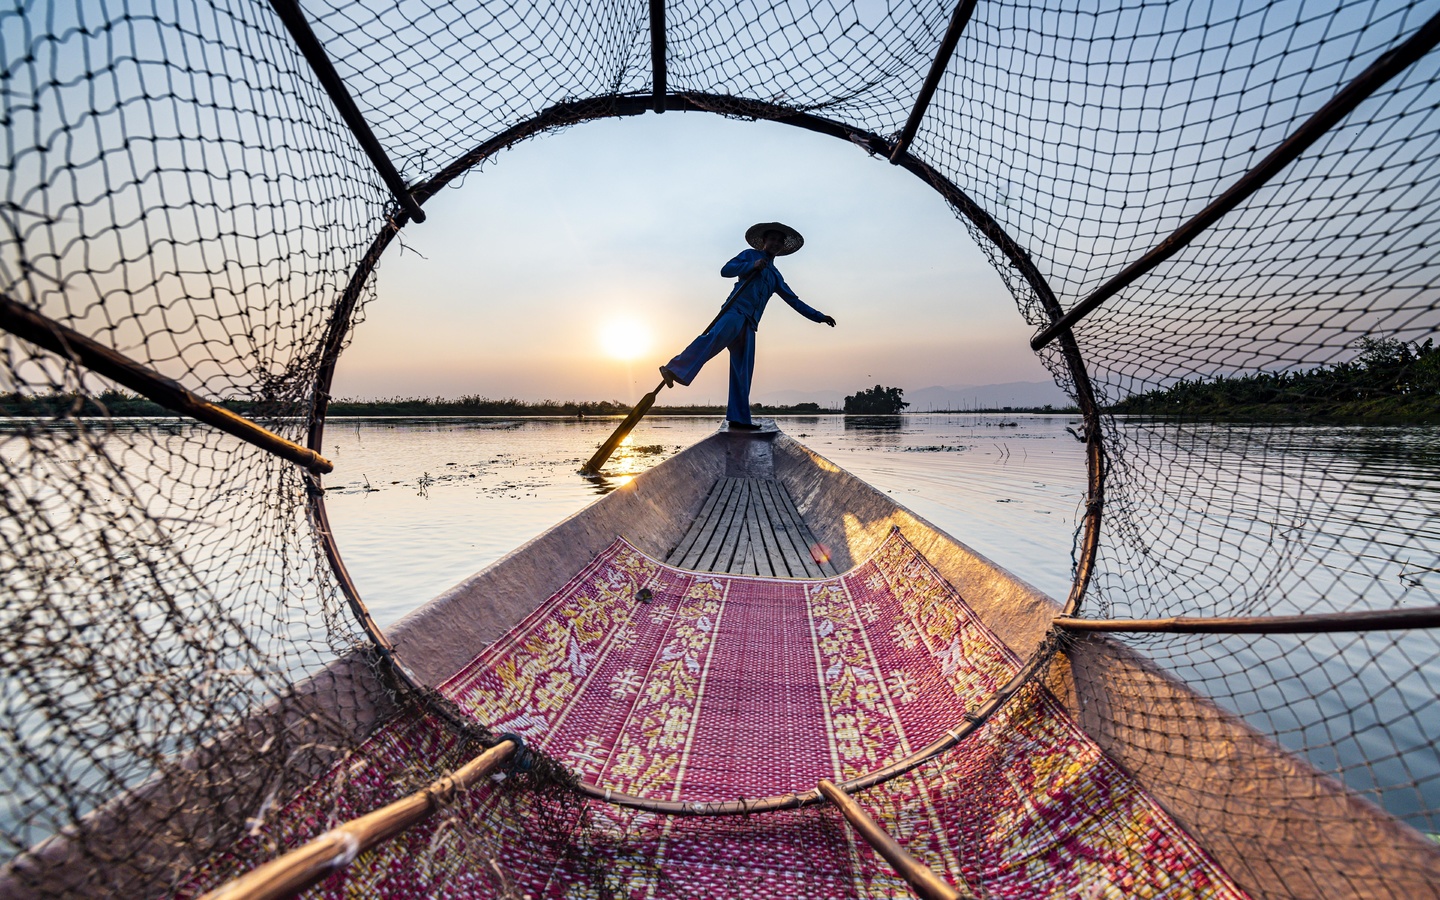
604,484
874,423
493,484
1205,519
1261,519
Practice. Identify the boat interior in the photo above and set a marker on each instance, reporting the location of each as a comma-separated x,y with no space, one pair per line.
735,502
731,503
744,672
765,510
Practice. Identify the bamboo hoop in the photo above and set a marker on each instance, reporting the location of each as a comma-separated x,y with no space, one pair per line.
618,106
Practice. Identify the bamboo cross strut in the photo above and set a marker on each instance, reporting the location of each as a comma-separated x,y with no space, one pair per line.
332,851
70,344
927,885
335,849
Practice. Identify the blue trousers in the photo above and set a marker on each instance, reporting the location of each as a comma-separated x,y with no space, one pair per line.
734,333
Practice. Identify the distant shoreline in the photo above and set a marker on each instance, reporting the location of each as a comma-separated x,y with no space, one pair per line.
1376,411
1402,410
119,404
1380,411
1389,382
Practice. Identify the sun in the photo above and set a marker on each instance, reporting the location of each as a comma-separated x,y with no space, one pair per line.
624,339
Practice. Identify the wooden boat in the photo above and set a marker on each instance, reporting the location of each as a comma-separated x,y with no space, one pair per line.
1181,202
772,517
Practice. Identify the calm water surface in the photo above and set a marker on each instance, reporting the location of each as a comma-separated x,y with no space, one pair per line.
1252,520
417,506
1230,520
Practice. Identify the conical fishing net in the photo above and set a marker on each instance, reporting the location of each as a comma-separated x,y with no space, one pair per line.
1241,199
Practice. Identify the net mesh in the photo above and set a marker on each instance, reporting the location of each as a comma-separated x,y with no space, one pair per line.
179,187
1117,126
176,188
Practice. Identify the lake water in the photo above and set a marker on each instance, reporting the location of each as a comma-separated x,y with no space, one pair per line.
417,506
1234,521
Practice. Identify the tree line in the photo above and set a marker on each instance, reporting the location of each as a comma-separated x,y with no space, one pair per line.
125,404
876,401
1388,379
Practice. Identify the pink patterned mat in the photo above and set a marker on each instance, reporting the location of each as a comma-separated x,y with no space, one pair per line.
727,686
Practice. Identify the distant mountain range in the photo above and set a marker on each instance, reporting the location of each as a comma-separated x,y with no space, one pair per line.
957,396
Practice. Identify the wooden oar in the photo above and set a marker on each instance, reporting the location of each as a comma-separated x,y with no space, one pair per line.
623,431
593,466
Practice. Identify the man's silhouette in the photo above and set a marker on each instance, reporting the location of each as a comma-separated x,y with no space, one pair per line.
734,329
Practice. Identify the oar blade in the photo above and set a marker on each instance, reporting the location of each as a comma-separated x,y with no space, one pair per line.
621,432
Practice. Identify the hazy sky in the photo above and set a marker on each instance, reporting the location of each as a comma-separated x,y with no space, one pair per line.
510,286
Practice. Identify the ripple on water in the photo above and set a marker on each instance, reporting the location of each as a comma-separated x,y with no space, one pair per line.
417,506
422,505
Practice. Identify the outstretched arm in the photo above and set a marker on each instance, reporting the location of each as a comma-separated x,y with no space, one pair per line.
801,306
742,264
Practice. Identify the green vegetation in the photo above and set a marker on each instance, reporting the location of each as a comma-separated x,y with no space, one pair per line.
474,405
1388,381
113,403
125,404
877,401
794,409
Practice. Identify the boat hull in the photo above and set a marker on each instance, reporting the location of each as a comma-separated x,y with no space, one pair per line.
1172,741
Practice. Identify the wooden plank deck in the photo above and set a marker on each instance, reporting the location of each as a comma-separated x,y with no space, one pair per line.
750,526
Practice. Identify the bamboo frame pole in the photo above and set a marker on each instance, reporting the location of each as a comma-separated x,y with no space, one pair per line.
70,344
337,848
1367,620
1389,65
926,883
958,20
658,77
293,17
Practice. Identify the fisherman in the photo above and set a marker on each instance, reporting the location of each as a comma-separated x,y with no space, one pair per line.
734,329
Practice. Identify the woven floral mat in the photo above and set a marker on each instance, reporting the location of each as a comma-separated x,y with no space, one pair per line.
726,686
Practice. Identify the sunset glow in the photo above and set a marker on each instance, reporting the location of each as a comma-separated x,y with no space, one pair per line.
624,339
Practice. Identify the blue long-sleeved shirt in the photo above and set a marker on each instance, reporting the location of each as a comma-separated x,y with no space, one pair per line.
751,296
